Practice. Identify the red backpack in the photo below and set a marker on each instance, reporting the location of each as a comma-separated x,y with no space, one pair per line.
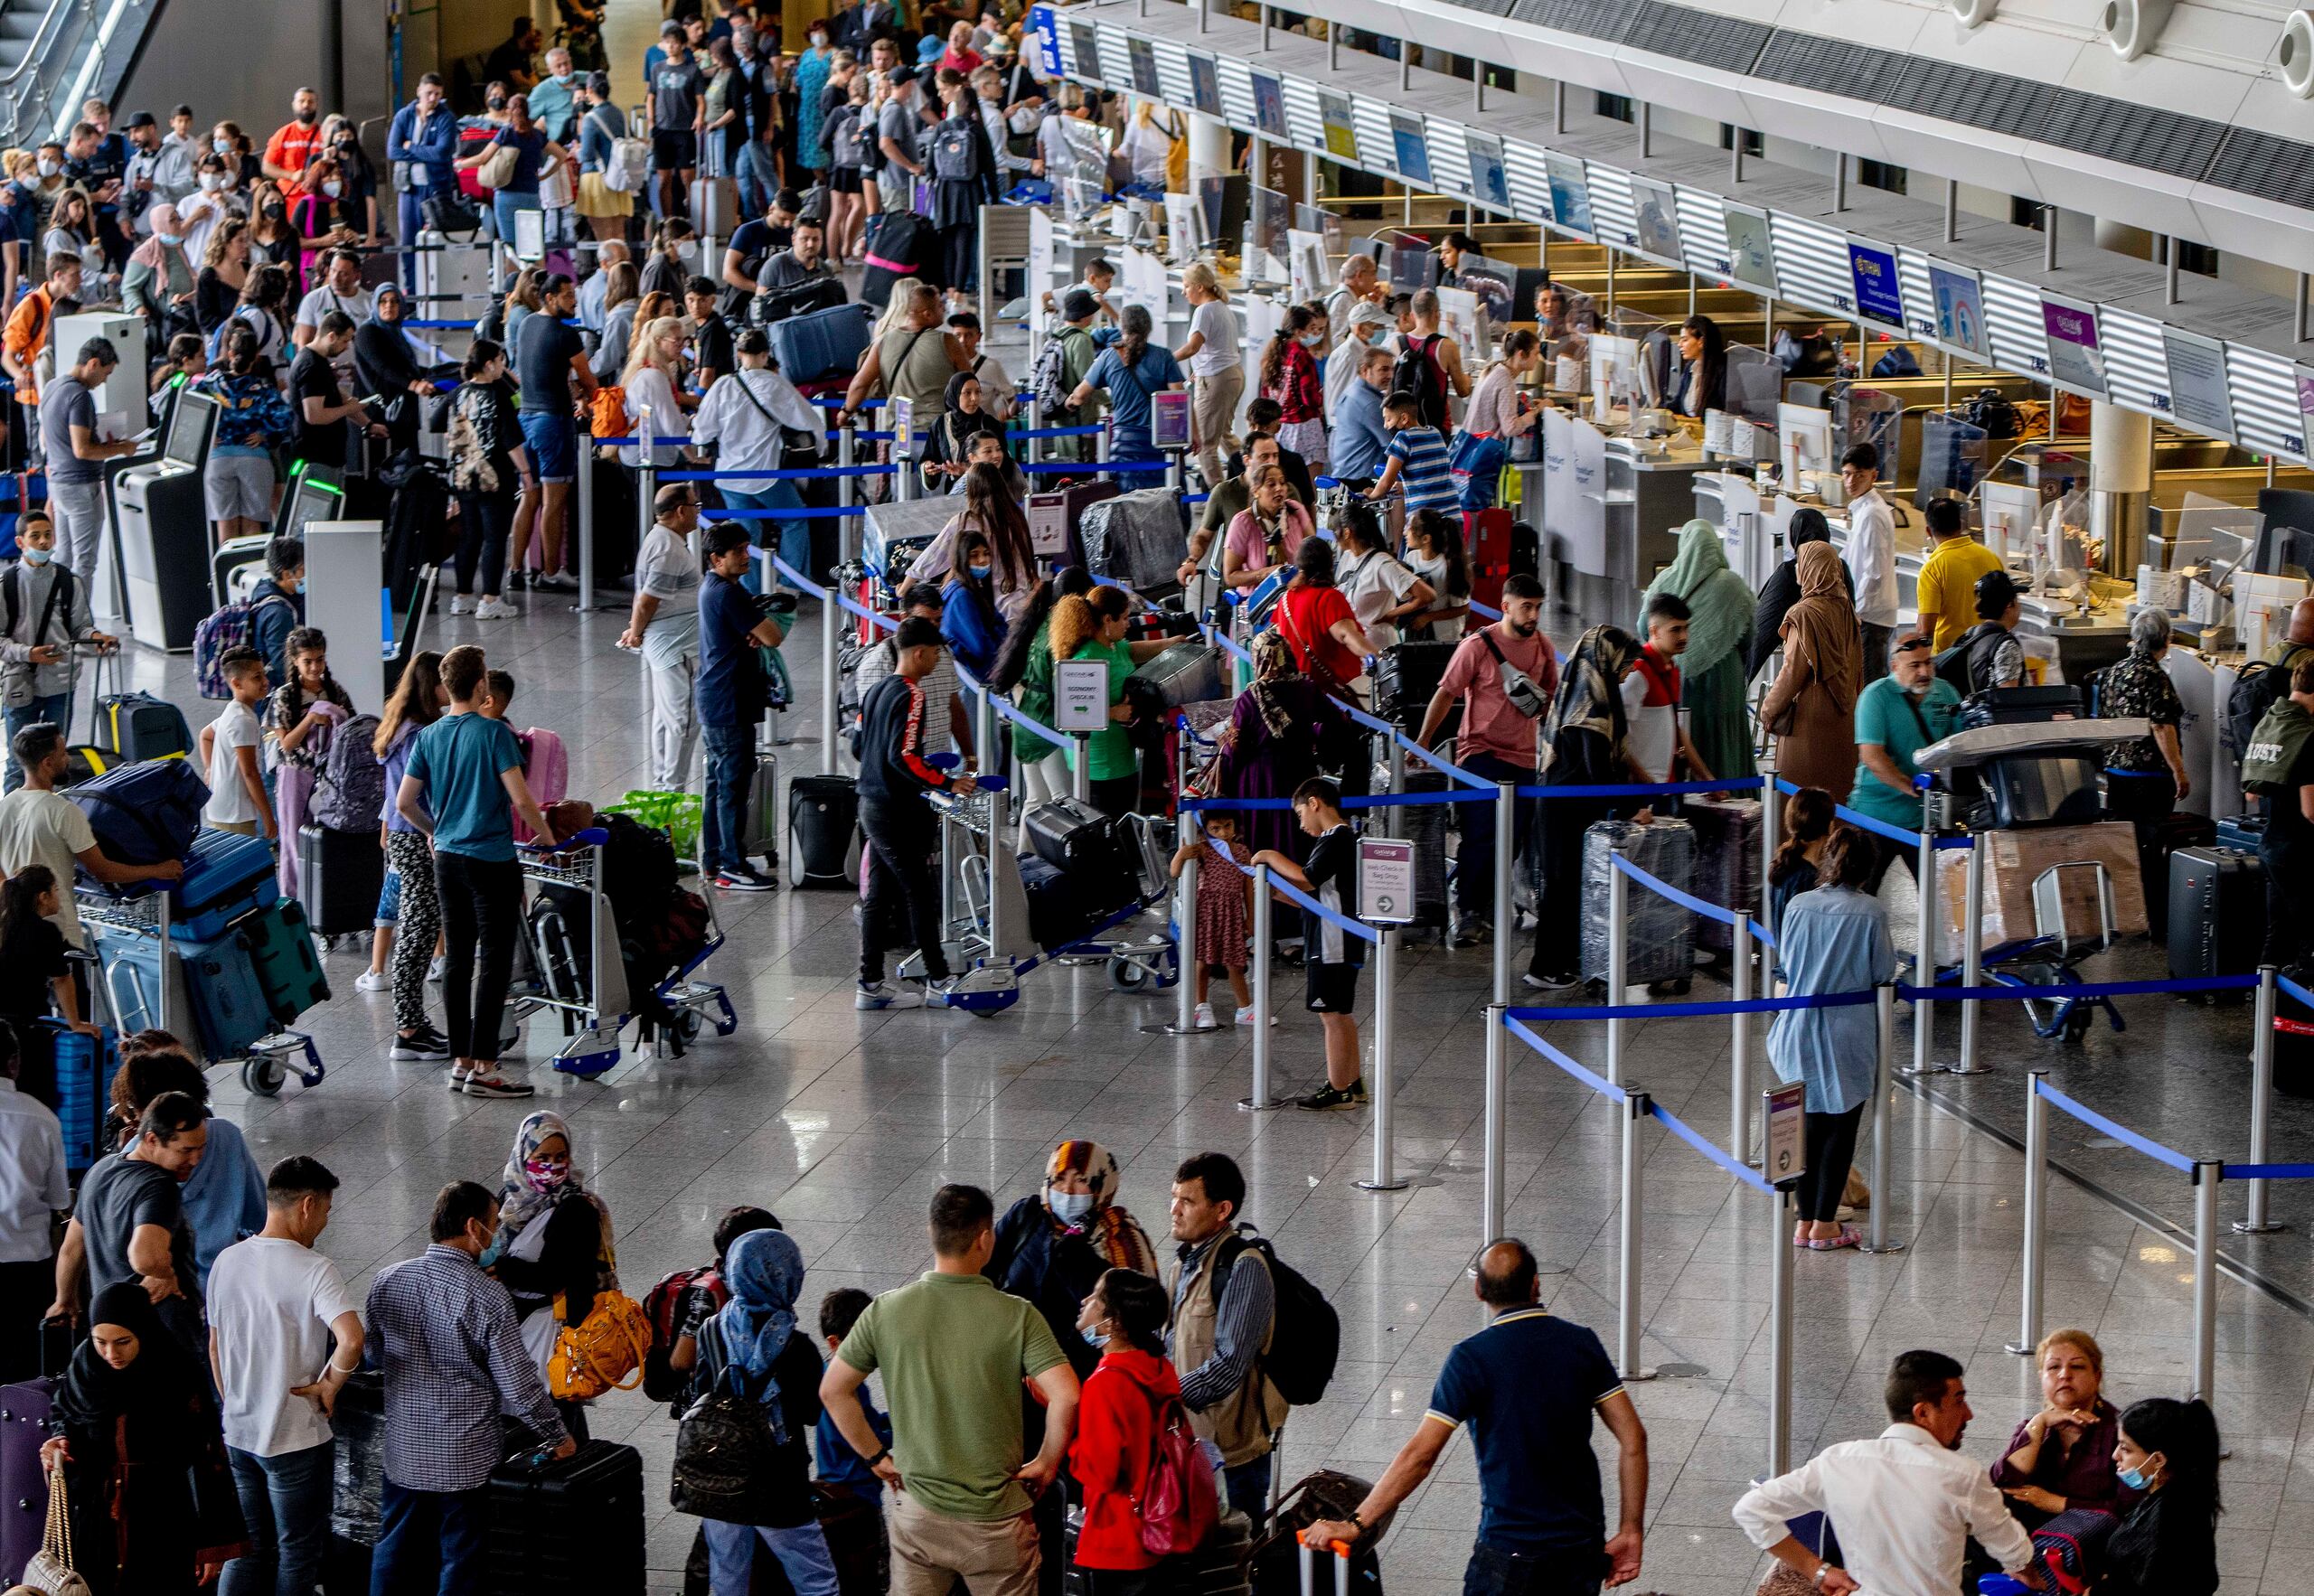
662,1305
1177,1506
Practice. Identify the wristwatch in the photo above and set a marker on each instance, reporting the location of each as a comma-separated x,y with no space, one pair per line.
879,1458
1817,1578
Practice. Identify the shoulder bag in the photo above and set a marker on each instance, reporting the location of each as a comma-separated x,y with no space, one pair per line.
51,1572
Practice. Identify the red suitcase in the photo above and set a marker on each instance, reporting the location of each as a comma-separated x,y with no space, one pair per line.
1486,544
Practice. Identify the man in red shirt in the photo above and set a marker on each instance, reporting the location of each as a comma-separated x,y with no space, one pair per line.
294,141
1505,677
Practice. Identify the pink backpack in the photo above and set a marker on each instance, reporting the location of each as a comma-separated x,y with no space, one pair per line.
1178,1508
546,766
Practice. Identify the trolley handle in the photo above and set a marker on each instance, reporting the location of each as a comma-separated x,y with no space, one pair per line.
592,836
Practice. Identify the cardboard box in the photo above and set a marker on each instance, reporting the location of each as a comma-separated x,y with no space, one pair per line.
2013,861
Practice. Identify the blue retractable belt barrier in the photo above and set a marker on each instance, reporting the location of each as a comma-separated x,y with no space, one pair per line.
2268,1172
801,582
2284,984
1742,783
814,471
1054,431
1697,1011
805,512
1599,1083
2119,1132
1878,828
1710,911
1003,708
1687,1133
2093,989
1092,467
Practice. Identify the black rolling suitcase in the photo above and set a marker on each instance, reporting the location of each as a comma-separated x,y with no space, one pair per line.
1405,679
1057,916
568,1525
1098,857
2218,912
824,832
339,877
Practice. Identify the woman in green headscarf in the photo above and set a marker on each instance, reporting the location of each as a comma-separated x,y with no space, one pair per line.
1719,611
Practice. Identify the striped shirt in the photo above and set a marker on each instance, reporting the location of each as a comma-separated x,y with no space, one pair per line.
1421,455
443,1332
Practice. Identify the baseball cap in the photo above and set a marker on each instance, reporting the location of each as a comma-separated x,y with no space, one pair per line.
1996,591
142,119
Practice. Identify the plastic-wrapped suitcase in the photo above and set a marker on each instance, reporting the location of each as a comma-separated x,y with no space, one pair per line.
1727,862
823,831
339,877
1486,539
563,1526
1187,673
1406,677
1138,538
24,1486
84,1066
2218,912
225,876
1662,935
280,946
357,1483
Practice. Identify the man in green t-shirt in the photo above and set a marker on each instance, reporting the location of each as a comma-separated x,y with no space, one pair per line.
1895,717
953,1351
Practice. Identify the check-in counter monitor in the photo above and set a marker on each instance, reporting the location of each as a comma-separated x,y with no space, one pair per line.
163,529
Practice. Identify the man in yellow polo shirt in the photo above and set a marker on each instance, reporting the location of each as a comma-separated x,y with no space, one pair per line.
1948,580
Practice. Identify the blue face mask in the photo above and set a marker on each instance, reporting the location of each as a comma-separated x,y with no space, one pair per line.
1093,1337
171,240
980,573
36,556
2135,1479
1070,1208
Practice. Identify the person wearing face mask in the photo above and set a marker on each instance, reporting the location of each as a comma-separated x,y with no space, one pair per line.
209,206
554,1239
674,252
813,68
1364,325
159,282
295,143
339,290
1124,1396
156,170
1289,375
1053,1247
554,102
2168,1543
35,650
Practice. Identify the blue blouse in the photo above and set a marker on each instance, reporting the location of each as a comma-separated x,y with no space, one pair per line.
1834,940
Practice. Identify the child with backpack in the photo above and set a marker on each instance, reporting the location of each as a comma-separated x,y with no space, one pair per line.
47,612
229,753
1417,459
302,716
1148,1493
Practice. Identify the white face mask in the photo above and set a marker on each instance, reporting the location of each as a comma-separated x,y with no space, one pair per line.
1023,119
332,188
687,251
50,166
211,182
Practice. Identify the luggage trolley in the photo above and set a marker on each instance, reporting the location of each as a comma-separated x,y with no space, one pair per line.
121,927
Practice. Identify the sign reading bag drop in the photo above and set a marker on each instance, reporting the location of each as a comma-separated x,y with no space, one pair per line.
1787,1143
1385,881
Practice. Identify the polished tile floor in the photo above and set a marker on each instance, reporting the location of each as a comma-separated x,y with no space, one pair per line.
844,1122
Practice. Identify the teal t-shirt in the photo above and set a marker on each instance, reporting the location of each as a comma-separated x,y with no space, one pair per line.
1885,715
461,761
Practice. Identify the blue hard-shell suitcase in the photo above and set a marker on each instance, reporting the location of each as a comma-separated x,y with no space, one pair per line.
215,1000
226,877
822,343
85,1066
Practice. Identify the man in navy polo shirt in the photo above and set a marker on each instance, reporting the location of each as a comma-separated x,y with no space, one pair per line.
730,697
1527,1385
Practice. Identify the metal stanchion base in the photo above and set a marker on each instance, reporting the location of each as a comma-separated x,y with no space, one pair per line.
1883,1247
1683,1371
2021,1349
1380,1185
1178,1030
2244,1227
1943,1067
1640,1373
1251,1106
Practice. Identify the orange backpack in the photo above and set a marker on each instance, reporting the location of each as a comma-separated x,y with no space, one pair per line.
609,418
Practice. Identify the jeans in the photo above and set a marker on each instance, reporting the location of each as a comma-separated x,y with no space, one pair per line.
903,903
504,207
430,1542
803,1554
484,520
79,511
1247,1486
284,1502
55,709
795,536
482,905
730,772
1474,863
1493,1572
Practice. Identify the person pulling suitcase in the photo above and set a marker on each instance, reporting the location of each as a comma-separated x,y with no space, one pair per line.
894,778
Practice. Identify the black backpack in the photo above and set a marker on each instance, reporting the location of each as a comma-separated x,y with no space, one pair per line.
1994,415
1417,374
2255,692
1305,1332
1959,664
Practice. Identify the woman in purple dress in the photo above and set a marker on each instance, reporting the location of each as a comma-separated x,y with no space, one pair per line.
1283,732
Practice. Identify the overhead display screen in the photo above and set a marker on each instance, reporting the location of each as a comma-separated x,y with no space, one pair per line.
1955,313
1751,257
1269,106
1872,268
1089,53
1335,117
2074,358
2197,392
1490,178
1570,193
1411,146
1144,55
1205,83
1658,211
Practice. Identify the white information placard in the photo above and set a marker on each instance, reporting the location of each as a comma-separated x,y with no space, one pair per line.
1385,881
1080,695
1787,1145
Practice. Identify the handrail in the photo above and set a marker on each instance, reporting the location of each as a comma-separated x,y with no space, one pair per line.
32,50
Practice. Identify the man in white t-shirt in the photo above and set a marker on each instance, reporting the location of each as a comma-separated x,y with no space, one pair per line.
276,1306
1214,358
1871,554
664,627
228,751
340,290
41,826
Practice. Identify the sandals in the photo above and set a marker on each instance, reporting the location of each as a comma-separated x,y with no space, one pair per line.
1849,1237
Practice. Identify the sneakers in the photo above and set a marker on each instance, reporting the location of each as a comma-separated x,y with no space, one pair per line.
434,970
373,981
555,582
492,1085
885,995
1472,932
1557,980
1334,1097
424,1045
494,610
461,604
743,880
1245,1016
1204,1017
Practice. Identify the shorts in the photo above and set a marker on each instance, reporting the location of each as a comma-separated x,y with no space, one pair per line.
553,442
389,911
239,486
844,180
674,149
1332,989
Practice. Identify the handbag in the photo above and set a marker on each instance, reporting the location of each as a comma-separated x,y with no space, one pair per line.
50,1571
450,213
497,169
602,1352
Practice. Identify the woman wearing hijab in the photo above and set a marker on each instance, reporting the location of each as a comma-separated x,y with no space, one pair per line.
136,1438
1053,1247
947,450
1584,746
1281,732
1719,616
159,283
554,1239
752,1348
1810,708
385,364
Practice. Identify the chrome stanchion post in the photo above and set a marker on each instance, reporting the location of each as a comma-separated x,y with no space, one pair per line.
1506,817
1627,1310
984,730
646,474
1080,778
585,516
1739,1066
1771,827
1618,963
831,622
1497,1095
1394,821
1925,956
1261,1100
2036,1196
1884,1092
2208,1174
1780,1333
1185,930
1973,960
847,448
1386,1030
1000,817
2262,1102
1101,446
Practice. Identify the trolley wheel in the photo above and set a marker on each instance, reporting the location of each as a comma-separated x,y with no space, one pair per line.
2077,1022
687,1026
1128,975
263,1074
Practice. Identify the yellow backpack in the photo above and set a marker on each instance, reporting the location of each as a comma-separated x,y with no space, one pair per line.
602,1352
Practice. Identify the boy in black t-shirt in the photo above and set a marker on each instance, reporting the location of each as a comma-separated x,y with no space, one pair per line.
712,337
1332,954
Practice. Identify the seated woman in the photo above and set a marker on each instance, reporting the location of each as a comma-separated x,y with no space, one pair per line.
135,1436
2063,1456
2168,1543
554,1239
